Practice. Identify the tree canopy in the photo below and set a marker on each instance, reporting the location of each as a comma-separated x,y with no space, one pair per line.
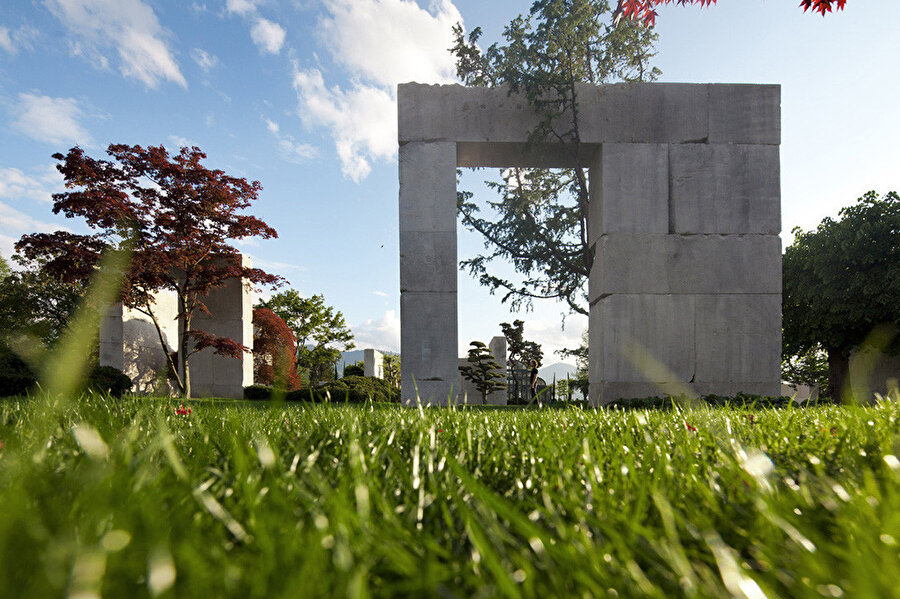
483,370
177,218
643,10
519,351
320,331
539,220
841,281
274,351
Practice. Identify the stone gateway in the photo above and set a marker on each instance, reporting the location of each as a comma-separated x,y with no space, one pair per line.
685,212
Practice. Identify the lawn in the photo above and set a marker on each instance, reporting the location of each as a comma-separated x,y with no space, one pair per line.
128,498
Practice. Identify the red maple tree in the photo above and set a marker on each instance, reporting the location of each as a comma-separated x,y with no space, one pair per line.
643,10
274,351
177,216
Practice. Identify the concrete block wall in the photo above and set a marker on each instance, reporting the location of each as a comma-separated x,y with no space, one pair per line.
684,222
129,342
373,363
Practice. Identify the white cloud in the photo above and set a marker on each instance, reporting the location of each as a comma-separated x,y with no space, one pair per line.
51,120
181,142
382,333
241,7
129,26
6,41
204,59
362,120
380,43
15,223
14,40
380,293
268,36
290,149
40,187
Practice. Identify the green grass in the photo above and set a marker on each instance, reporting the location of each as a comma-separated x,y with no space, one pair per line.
128,499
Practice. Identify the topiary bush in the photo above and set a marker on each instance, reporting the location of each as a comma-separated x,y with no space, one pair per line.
258,392
106,379
354,370
351,389
16,378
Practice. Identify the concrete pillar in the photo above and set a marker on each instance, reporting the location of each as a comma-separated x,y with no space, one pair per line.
373,363
428,287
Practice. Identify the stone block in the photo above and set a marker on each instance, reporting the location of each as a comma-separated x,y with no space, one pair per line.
642,338
428,345
745,114
693,264
644,113
725,188
373,363
739,338
428,186
629,188
428,261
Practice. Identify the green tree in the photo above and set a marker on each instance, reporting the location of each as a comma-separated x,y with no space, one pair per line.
36,305
519,351
391,367
841,282
320,330
539,221
483,370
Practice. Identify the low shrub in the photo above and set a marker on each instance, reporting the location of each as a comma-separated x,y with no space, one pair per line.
741,400
257,392
106,379
16,378
350,389
354,370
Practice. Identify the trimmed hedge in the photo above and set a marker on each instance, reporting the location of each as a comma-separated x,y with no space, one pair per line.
741,400
257,392
106,379
16,378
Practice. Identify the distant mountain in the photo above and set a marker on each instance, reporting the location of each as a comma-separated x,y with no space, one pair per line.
560,369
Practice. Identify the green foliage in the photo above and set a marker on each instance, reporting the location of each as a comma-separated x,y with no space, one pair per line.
387,501
257,392
16,377
740,401
106,379
354,370
519,353
36,305
841,281
483,370
539,221
808,368
391,367
320,330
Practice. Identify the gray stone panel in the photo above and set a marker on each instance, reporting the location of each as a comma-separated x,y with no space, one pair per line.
725,188
693,264
629,188
739,338
622,112
745,114
428,261
428,186
643,338
428,346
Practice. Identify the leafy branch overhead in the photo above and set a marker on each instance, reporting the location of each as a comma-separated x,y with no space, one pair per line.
643,10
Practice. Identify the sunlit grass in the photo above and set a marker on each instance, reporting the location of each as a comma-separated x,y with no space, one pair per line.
128,499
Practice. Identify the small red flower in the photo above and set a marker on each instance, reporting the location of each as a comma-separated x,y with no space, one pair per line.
750,418
182,411
690,427
1,445
833,431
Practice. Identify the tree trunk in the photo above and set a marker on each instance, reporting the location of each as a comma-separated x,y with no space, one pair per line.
185,326
838,369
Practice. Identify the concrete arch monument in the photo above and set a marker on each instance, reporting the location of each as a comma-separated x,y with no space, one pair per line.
685,291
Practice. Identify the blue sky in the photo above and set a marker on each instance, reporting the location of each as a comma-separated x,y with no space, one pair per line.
299,94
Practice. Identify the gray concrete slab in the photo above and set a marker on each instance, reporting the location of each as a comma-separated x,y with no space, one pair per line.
692,264
744,114
738,338
629,188
428,345
428,261
725,188
428,186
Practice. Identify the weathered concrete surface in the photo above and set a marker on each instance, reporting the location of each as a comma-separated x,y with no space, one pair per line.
685,207
725,188
629,187
637,263
428,347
